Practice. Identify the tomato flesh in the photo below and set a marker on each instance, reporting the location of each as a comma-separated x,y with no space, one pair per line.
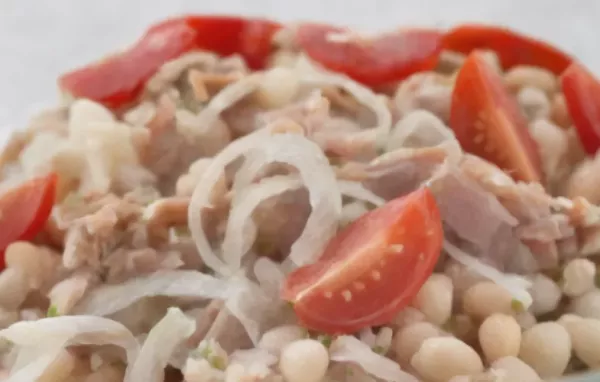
370,270
512,48
387,58
118,80
582,95
488,122
25,209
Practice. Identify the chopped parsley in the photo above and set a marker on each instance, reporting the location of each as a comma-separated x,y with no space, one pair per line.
325,339
517,306
379,349
52,311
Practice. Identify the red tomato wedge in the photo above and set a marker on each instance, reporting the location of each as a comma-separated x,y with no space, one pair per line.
386,58
118,80
488,122
25,209
370,270
582,95
512,48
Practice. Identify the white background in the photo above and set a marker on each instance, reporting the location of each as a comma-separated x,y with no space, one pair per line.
41,38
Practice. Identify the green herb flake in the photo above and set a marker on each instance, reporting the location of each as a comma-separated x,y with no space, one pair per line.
349,372
517,306
217,362
379,349
205,352
325,339
52,311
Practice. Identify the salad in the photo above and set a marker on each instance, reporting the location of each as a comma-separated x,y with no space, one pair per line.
231,199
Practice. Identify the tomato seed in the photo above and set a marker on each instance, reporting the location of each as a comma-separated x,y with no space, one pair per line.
376,275
347,295
359,286
396,248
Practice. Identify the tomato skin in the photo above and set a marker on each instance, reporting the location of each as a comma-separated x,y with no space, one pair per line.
25,209
512,48
488,122
118,80
372,269
582,95
387,58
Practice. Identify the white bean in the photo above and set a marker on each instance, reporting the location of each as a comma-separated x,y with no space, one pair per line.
579,277
545,293
533,76
499,336
534,103
486,298
546,347
441,358
278,87
585,336
408,316
409,339
277,338
513,369
304,361
587,305
435,299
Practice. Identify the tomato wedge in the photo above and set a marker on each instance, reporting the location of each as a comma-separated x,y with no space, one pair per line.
582,95
370,270
488,123
118,80
25,209
512,48
387,58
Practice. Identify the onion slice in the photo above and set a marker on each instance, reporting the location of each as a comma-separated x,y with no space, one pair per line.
516,285
241,230
159,346
315,172
358,191
309,74
351,349
40,342
109,299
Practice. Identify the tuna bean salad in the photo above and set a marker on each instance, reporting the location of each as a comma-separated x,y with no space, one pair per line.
231,199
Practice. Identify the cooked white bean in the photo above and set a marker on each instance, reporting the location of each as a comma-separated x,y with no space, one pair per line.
579,277
435,299
585,336
486,298
278,87
530,76
545,293
587,305
304,361
559,112
492,59
408,316
408,340
546,347
513,369
534,103
499,336
441,358
553,146
277,338
384,338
